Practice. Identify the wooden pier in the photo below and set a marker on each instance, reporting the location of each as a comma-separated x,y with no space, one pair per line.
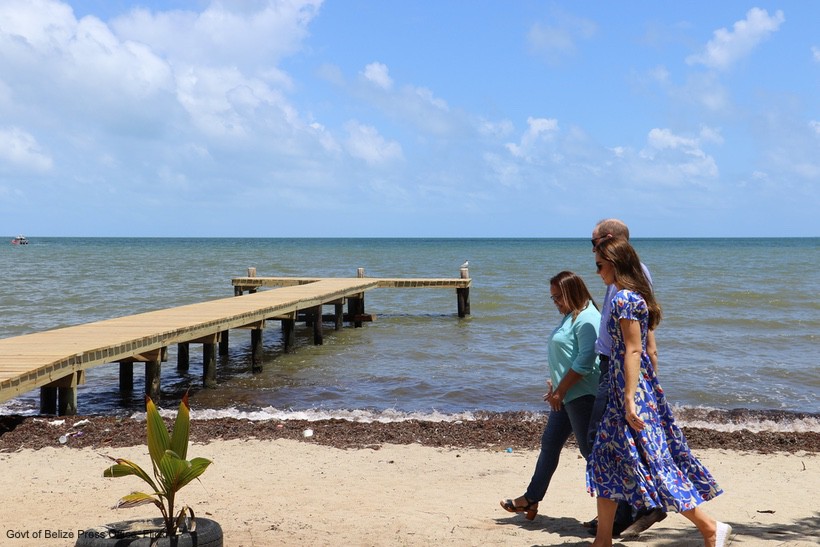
56,360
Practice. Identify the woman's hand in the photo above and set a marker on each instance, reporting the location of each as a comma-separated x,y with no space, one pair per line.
555,399
552,397
633,420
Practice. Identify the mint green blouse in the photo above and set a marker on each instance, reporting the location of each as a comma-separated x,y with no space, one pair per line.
572,346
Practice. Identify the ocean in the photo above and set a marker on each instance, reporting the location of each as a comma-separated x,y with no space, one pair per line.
738,345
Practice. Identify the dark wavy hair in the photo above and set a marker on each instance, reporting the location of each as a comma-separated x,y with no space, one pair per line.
573,290
629,273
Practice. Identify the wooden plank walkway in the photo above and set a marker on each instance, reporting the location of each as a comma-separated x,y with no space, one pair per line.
55,360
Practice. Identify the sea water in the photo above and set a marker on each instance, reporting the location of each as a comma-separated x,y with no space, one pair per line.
739,334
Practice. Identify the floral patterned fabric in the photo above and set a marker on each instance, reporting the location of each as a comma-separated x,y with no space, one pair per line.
653,467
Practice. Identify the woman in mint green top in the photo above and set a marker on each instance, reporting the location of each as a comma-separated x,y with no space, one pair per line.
573,361
572,385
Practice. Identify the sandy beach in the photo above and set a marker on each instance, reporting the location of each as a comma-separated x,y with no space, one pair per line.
299,492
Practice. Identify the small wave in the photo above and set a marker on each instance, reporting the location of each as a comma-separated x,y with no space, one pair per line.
696,417
751,420
699,417
315,415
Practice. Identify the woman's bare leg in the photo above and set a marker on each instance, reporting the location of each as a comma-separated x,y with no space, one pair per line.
606,517
706,525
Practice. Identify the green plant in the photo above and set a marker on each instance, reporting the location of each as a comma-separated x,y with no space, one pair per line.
171,470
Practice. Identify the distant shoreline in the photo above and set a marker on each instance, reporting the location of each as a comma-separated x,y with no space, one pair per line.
427,238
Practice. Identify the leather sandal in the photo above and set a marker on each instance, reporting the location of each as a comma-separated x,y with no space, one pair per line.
529,510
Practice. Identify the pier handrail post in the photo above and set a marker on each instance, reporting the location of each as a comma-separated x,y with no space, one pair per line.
463,294
355,306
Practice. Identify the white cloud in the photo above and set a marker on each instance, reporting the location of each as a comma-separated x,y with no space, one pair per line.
539,130
672,160
407,103
704,89
365,143
495,129
92,68
222,101
710,135
727,47
557,39
377,73
247,35
504,171
19,150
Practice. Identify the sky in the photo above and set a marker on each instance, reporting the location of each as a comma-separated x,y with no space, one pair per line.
430,118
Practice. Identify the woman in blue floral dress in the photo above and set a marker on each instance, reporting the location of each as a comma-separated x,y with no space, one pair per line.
640,455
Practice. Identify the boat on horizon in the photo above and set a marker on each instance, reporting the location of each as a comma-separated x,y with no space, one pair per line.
20,240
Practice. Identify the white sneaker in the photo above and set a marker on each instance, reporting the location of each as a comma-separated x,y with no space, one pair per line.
722,536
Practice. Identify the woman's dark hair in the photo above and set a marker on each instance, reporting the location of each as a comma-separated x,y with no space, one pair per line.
574,291
629,273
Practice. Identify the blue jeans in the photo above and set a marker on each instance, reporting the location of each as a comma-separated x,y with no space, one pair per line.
623,515
572,418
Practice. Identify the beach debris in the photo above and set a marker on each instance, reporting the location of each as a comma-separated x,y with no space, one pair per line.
81,422
64,437
56,422
308,433
509,450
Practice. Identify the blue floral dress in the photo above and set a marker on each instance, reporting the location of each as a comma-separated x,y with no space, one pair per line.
653,467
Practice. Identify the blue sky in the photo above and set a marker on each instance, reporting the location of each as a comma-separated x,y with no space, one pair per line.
408,119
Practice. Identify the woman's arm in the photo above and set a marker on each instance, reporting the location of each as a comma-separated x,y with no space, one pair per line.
652,350
631,331
556,397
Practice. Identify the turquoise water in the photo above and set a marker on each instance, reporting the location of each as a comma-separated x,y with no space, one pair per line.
741,324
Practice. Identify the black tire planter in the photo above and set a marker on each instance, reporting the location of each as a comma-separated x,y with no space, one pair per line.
208,533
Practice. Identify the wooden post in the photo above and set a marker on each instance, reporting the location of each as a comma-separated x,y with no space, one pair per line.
463,295
127,376
289,334
152,378
183,356
209,365
256,350
237,291
318,340
223,342
355,308
355,305
48,400
338,315
67,401
60,396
